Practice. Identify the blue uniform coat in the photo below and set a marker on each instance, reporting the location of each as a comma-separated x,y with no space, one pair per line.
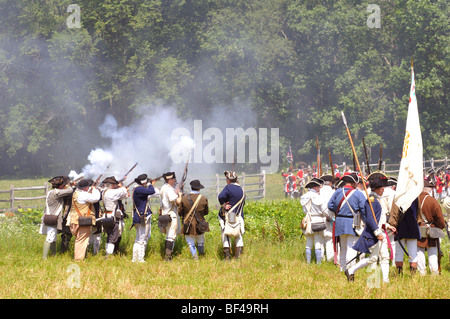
344,218
232,193
368,238
140,195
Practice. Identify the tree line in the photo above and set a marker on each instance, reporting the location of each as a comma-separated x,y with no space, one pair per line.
296,63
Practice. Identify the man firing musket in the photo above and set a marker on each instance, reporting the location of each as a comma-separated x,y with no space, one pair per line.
169,220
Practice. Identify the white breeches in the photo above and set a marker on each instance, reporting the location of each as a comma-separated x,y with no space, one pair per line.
315,241
432,260
411,248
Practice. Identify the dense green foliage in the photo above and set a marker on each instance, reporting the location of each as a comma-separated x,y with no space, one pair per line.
297,64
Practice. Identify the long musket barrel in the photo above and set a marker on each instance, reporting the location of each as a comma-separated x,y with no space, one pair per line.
183,179
331,164
359,168
129,171
367,158
319,164
380,161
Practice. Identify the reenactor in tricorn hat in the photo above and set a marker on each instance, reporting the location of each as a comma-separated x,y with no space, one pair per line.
373,240
430,215
315,206
52,220
112,197
82,216
169,221
347,203
231,214
142,214
192,210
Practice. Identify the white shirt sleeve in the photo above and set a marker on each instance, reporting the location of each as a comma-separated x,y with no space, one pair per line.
86,197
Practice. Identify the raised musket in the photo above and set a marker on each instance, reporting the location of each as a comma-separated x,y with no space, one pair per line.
183,179
357,162
367,158
319,163
129,171
380,161
331,164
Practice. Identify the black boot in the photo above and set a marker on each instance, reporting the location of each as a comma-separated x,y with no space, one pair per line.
227,252
400,270
238,252
169,249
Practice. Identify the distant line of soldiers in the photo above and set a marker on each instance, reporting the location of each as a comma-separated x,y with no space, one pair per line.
343,225
87,209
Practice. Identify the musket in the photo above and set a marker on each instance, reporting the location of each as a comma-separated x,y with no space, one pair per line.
129,171
380,161
367,158
359,168
183,179
319,164
331,164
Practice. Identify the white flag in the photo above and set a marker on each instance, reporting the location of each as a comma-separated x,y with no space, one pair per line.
410,176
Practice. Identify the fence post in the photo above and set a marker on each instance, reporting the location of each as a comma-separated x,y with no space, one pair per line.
11,196
243,181
264,183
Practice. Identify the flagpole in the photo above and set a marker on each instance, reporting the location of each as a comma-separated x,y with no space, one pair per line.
357,163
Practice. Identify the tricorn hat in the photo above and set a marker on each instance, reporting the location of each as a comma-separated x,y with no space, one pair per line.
428,183
110,180
339,183
327,177
314,182
195,184
141,179
350,178
230,175
392,181
377,180
169,175
57,181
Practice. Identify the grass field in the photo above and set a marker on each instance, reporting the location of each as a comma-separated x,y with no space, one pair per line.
272,266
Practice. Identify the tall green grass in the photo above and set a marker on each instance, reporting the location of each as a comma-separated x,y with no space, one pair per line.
272,266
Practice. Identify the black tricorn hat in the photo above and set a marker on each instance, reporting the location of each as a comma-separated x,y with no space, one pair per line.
169,175
141,179
377,180
110,180
327,178
392,181
57,181
314,182
230,175
350,178
195,184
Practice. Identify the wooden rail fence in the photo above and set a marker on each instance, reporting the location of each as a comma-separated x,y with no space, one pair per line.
254,186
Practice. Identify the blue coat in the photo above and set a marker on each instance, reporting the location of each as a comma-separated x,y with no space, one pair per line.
408,227
232,193
140,195
368,238
344,218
